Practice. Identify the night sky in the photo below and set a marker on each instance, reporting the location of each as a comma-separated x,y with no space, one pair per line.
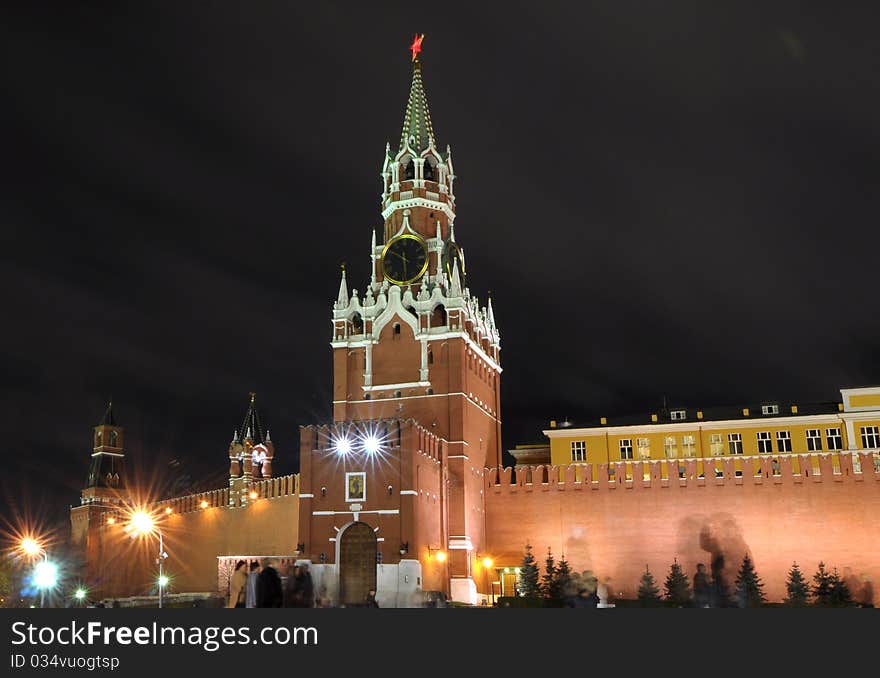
665,199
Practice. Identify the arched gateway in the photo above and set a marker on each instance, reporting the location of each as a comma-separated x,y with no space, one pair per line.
357,563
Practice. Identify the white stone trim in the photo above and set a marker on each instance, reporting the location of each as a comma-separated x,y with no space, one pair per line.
109,454
435,205
397,387
306,496
847,393
408,492
462,543
389,512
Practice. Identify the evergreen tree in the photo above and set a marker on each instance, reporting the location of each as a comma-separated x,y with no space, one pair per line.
797,587
749,587
822,587
677,588
563,579
649,594
839,593
548,581
528,576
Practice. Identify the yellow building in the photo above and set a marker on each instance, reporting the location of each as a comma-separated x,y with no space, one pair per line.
764,429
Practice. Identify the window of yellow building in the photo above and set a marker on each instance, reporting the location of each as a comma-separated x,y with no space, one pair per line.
670,448
626,448
644,448
735,443
688,444
814,440
835,441
783,441
578,450
765,442
716,444
870,436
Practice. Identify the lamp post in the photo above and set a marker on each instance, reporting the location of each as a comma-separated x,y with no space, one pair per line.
142,523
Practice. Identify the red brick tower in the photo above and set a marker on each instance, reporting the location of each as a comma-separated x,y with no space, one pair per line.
106,491
418,345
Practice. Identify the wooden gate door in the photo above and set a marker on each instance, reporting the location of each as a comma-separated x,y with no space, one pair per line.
357,563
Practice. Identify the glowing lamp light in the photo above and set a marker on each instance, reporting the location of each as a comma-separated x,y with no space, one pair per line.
80,594
163,581
487,563
253,495
45,574
141,522
441,556
343,446
371,444
30,546
111,520
204,504
167,510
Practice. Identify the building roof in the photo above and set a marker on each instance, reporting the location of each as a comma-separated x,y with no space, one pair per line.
417,126
108,419
693,414
252,427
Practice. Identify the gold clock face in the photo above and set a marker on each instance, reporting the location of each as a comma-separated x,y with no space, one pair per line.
451,255
404,259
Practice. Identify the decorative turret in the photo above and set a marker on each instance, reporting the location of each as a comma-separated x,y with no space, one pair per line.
250,457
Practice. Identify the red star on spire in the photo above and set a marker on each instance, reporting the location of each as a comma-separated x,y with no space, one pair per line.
416,47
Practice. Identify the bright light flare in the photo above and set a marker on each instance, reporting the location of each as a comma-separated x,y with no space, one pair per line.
487,563
372,444
142,522
45,574
441,556
167,510
30,546
204,504
80,594
252,495
342,445
163,581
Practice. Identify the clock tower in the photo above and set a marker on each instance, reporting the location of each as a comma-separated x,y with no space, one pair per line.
417,344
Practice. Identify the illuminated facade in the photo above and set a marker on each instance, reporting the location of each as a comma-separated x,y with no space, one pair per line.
403,491
768,429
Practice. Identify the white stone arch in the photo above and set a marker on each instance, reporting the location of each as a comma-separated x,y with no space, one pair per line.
395,308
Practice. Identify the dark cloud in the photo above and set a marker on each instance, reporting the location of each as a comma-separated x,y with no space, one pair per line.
666,199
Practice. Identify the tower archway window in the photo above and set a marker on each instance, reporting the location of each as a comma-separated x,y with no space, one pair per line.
429,171
430,357
397,329
357,324
438,316
410,171
98,439
113,436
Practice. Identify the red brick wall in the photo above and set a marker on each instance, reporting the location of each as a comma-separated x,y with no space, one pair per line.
616,528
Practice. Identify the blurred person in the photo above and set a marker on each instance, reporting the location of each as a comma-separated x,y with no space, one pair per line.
251,597
238,586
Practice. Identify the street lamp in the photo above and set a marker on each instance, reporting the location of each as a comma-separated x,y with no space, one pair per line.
45,577
487,565
142,523
30,547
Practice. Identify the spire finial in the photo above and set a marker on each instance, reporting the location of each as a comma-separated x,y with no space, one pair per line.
342,297
416,47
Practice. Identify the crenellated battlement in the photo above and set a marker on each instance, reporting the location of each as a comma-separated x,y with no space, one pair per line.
773,470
